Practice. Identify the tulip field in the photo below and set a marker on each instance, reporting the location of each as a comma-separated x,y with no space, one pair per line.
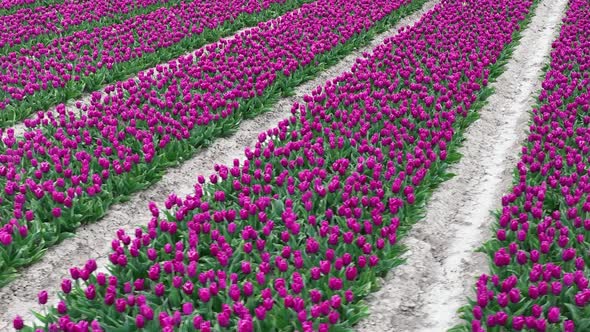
538,276
100,99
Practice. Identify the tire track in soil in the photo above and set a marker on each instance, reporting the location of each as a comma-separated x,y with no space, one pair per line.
93,240
424,293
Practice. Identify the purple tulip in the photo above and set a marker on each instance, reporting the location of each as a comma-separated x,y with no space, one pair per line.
335,283
62,307
223,320
139,321
120,305
204,295
553,315
569,326
42,297
90,292
18,323
518,323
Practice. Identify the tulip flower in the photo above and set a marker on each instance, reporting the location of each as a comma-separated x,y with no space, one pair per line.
18,323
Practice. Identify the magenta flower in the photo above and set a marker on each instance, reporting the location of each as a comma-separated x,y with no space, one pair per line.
5,239
223,319
335,283
18,323
90,292
120,305
139,321
42,297
569,326
56,212
246,269
553,315
204,295
62,307
188,288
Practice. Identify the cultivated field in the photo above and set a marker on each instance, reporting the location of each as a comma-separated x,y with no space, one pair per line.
295,165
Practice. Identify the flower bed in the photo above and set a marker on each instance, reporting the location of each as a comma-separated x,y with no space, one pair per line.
294,236
41,76
29,26
10,6
539,255
68,170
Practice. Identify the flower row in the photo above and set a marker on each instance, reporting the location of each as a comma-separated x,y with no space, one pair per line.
68,169
540,253
293,236
10,4
44,75
25,24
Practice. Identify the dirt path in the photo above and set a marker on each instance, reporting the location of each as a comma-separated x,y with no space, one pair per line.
93,241
425,293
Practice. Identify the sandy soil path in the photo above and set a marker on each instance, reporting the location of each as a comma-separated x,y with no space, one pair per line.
425,293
